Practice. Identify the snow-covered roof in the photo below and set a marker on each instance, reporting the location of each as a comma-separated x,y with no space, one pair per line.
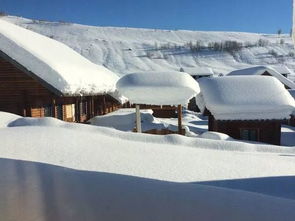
259,70
158,88
197,71
245,98
283,69
54,63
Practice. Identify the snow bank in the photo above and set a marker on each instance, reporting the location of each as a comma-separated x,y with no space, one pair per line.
259,70
215,136
171,158
245,98
55,63
124,120
7,118
30,121
34,191
158,88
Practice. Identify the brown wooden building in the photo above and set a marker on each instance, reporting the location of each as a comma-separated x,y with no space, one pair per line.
49,79
244,108
24,93
267,131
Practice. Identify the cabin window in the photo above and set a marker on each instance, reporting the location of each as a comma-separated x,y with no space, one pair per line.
59,111
48,111
249,134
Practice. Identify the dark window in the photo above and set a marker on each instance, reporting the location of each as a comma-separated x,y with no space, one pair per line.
59,111
48,112
249,134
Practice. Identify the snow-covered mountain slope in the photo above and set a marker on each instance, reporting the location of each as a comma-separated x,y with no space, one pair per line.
125,50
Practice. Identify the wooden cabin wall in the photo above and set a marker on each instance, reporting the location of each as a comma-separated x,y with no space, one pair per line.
17,90
21,94
269,131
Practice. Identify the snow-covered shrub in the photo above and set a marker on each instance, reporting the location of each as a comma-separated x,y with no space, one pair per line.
273,53
262,43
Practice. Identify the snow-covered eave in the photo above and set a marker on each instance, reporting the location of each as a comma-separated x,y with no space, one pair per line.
268,114
278,116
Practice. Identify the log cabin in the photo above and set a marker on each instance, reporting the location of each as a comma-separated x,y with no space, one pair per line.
279,72
41,77
246,107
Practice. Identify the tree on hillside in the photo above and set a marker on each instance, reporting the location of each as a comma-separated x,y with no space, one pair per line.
2,13
279,32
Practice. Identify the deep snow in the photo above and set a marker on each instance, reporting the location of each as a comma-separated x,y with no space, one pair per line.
137,176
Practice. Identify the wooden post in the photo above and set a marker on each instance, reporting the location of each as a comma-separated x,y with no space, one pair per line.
138,119
53,107
104,104
92,107
179,113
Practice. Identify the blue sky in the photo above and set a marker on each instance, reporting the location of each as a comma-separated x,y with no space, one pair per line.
265,16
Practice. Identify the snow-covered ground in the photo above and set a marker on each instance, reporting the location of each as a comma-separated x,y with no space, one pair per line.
138,176
126,50
194,123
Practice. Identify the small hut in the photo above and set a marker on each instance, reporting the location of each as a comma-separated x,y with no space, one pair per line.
246,107
158,88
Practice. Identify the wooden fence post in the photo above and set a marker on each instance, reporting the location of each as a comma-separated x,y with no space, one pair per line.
138,119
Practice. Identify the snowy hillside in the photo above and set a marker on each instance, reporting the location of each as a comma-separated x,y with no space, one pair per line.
125,50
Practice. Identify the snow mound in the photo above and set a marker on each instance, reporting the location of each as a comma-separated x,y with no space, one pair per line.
7,118
245,98
124,119
45,192
158,88
58,65
215,136
30,121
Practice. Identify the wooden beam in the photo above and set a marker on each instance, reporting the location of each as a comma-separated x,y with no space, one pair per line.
138,119
179,113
